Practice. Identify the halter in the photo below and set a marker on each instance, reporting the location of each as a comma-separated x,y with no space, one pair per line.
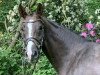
34,40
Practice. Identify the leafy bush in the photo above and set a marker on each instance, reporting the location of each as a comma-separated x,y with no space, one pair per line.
9,62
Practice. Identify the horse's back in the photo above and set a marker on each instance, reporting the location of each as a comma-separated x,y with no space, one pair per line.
89,64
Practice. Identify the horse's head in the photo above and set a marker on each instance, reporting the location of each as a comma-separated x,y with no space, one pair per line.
32,30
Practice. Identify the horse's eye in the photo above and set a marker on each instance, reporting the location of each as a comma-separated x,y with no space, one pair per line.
40,28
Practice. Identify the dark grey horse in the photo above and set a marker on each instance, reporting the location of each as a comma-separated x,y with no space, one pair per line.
68,53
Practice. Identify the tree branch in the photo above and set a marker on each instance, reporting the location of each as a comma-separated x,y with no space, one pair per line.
5,23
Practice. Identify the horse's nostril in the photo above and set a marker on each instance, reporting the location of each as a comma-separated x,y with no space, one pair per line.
35,55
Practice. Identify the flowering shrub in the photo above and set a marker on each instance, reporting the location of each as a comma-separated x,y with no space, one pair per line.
74,15
89,30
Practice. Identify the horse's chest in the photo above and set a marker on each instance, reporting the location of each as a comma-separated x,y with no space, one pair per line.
88,69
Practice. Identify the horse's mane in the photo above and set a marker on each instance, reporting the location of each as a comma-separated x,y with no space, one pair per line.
55,24
66,34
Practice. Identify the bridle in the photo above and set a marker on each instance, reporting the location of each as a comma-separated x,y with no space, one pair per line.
35,41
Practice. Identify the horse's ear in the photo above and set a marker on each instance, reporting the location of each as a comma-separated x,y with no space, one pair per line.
22,11
40,9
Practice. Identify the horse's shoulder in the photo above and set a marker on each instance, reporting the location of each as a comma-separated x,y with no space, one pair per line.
94,50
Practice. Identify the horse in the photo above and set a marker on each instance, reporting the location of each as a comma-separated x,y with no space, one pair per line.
69,53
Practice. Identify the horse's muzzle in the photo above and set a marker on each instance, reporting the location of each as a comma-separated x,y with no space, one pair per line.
32,56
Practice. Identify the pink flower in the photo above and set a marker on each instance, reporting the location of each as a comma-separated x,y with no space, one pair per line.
98,41
89,26
84,34
92,33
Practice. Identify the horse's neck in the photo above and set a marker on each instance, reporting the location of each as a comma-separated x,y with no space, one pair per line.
61,44
65,35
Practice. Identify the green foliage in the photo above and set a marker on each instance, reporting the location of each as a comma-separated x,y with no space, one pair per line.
5,6
44,67
93,5
8,62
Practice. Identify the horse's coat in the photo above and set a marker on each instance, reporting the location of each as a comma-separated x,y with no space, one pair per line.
68,52
74,55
